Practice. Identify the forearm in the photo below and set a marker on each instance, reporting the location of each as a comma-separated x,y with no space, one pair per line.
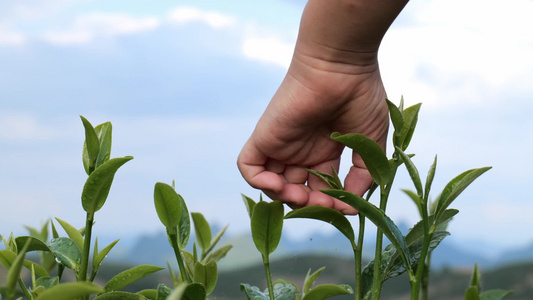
345,31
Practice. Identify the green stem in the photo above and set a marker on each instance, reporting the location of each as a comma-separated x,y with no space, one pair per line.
266,263
82,275
24,289
174,240
358,252
415,286
425,279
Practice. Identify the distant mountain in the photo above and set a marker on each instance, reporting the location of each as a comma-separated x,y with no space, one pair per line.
520,254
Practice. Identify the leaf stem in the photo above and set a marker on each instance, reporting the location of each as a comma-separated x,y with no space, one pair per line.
358,252
177,251
82,275
266,263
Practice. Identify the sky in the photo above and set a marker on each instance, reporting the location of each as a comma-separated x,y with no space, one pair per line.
184,82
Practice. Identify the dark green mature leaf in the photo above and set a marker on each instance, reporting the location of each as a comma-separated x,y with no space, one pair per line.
184,226
13,273
410,118
328,290
206,274
118,295
328,215
267,223
194,291
91,147
70,291
413,171
203,231
104,134
66,251
376,216
7,257
98,184
495,294
456,186
333,181
372,154
129,276
249,203
34,245
310,279
167,204
72,232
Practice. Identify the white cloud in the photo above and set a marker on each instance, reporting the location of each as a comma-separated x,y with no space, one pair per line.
88,27
447,55
270,50
11,38
189,14
22,126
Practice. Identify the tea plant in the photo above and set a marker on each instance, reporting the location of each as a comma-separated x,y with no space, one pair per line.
198,273
406,254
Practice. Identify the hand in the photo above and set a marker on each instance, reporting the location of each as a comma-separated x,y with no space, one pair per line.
333,84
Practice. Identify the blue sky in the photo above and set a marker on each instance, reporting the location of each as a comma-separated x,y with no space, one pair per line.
183,83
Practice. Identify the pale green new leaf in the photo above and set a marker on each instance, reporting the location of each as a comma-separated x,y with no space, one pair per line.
413,172
167,204
495,295
267,223
91,147
206,274
410,118
66,251
216,239
104,134
203,231
35,244
129,276
70,291
119,295
372,154
13,274
97,186
310,279
73,233
97,260
249,203
7,257
325,214
328,290
184,226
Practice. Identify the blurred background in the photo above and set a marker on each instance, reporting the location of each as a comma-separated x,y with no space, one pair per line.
184,82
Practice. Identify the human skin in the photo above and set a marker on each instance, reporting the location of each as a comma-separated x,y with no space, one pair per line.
333,84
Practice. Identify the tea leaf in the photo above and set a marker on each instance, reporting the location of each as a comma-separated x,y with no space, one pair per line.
413,172
249,203
66,251
332,180
129,276
267,223
253,292
120,295
472,293
429,178
34,243
495,294
328,215
284,290
193,291
416,199
396,116
206,274
310,279
97,186
476,278
456,186
203,231
217,238
162,291
184,226
410,118
377,216
7,257
72,232
328,290
13,274
47,281
167,204
177,293
98,258
149,293
104,134
372,154
70,291
91,147
218,254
